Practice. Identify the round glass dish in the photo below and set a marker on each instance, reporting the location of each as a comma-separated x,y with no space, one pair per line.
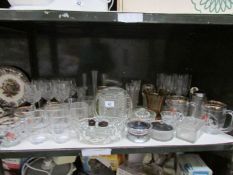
101,130
161,131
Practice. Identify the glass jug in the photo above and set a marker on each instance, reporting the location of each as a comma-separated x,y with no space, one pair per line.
113,102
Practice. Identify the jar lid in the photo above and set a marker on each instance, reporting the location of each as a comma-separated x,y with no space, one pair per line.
143,113
161,126
138,124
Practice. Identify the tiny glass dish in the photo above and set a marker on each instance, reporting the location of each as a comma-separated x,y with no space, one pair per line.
161,131
138,131
190,129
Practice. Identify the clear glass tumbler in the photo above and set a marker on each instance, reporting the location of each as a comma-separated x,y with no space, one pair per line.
79,110
10,134
60,129
38,127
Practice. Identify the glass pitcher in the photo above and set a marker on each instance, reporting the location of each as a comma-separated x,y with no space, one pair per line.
113,102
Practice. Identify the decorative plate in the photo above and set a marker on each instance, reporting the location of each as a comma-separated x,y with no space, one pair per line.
12,82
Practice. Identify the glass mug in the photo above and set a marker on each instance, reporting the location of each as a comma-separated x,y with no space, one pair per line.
180,104
113,102
171,118
215,114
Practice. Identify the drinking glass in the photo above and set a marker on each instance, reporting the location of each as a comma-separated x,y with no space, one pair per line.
79,110
60,129
47,90
56,110
90,102
72,86
62,91
38,127
23,114
10,134
81,93
32,94
133,89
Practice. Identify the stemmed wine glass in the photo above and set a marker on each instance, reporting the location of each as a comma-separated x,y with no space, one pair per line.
32,94
62,91
47,90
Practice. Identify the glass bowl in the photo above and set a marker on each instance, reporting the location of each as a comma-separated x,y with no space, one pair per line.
101,130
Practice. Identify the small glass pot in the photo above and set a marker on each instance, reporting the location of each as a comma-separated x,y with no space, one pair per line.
138,131
161,131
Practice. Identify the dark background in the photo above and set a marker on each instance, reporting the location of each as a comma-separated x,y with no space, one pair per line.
123,51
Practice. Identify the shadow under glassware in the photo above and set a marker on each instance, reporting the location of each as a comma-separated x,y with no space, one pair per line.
216,115
154,101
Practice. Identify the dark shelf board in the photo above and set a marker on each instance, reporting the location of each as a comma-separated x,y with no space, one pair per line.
112,17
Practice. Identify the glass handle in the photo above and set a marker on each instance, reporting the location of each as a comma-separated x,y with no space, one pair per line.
230,127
